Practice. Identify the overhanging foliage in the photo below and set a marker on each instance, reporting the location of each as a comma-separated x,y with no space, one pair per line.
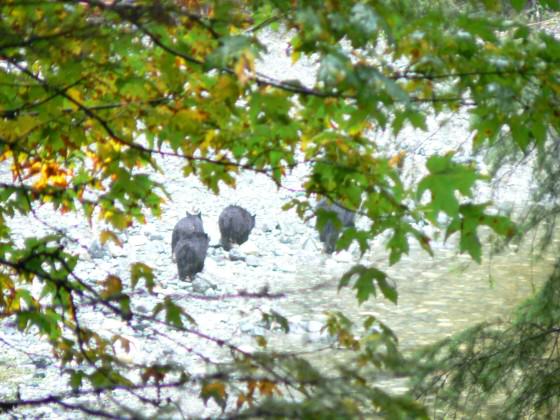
93,92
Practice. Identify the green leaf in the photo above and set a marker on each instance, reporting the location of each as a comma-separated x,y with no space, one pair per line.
553,4
467,222
100,379
140,270
334,70
538,130
388,290
365,282
445,179
398,245
124,305
76,379
470,243
520,133
501,225
365,287
518,4
173,313
232,47
269,319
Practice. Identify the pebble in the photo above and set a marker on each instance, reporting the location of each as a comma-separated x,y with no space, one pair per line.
266,227
201,285
153,234
96,250
249,248
236,255
314,326
138,241
41,362
252,261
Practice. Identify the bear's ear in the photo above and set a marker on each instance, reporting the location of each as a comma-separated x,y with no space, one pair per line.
254,216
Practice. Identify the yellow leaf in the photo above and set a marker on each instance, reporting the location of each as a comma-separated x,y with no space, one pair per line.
58,181
113,286
118,220
215,388
245,68
6,155
75,47
7,295
107,235
41,183
342,145
225,90
76,95
251,386
304,142
295,56
25,124
35,168
163,111
490,47
180,63
208,139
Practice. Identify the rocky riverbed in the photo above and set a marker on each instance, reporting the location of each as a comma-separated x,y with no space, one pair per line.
437,296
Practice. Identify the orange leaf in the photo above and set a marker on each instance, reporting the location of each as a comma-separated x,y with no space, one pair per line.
397,161
241,400
154,373
267,388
